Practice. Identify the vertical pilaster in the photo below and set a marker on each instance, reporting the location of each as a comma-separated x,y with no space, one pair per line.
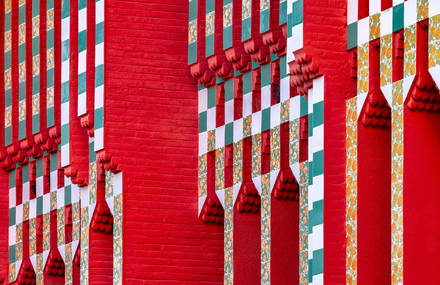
22,69
35,66
50,63
8,73
397,184
351,190
65,75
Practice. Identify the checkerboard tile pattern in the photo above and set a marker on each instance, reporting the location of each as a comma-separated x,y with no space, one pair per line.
213,138
381,24
82,202
294,27
30,209
99,75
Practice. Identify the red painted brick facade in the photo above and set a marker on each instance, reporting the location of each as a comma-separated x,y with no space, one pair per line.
149,83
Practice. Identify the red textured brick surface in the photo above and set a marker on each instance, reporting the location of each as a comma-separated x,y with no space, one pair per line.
151,130
325,40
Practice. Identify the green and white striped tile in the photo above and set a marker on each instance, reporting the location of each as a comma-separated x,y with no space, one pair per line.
99,76
192,31
209,27
227,23
82,57
246,20
65,75
294,27
316,181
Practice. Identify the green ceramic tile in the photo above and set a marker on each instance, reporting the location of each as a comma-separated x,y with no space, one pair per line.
352,31
398,14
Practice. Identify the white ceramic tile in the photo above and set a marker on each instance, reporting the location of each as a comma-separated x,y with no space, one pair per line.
386,22
275,115
229,111
352,11
374,6
238,130
203,100
363,31
211,119
247,104
265,97
220,137
410,13
256,123
203,143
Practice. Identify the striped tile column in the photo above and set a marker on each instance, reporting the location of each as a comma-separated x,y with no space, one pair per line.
69,195
99,76
283,12
14,229
209,27
261,122
113,195
232,192
397,183
228,237
88,202
8,74
246,20
82,57
316,182
50,63
203,140
265,228
37,206
22,69
35,66
264,16
192,32
65,74
227,23
351,191
220,172
294,27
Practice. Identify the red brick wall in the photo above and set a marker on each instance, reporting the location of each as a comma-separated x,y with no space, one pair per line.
151,130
